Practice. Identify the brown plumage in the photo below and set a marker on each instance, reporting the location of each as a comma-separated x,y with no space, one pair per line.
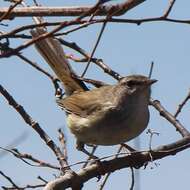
110,114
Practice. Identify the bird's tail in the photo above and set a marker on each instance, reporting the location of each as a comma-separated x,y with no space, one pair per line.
52,51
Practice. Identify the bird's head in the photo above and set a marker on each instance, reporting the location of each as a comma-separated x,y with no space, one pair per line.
137,83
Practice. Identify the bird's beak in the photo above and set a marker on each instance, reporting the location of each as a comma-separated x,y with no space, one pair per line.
151,81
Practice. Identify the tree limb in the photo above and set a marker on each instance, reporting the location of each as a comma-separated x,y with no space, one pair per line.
70,11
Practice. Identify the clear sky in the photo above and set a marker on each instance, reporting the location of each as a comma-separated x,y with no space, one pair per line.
128,49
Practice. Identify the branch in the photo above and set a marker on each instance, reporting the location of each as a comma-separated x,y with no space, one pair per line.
135,159
9,10
37,39
180,107
85,23
163,112
94,48
70,11
98,62
168,10
27,118
62,140
24,157
74,22
9,179
15,142
108,174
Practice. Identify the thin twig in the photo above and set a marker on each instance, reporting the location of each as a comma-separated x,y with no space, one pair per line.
88,23
151,69
28,119
102,185
168,10
37,39
15,142
25,187
94,148
91,11
9,179
144,20
85,23
133,159
168,116
10,9
96,83
22,157
62,140
170,149
68,23
94,49
132,179
180,106
73,10
152,133
55,81
36,66
42,179
98,62
29,27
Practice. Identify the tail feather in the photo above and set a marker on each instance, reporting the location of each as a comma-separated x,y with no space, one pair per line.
52,51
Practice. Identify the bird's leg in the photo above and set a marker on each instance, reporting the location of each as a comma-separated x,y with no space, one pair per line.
90,157
130,149
80,147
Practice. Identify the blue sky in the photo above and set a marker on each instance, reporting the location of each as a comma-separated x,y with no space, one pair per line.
126,48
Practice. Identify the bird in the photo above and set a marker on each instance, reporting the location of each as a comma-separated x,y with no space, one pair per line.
111,114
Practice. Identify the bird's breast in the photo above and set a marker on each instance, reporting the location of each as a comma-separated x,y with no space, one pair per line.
110,127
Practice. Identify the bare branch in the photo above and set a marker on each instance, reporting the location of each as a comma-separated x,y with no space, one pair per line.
36,66
24,157
171,4
151,69
7,13
98,62
96,83
27,118
108,174
9,179
39,38
71,11
86,23
132,179
180,107
94,49
163,112
64,147
152,133
15,142
28,27
134,159
42,179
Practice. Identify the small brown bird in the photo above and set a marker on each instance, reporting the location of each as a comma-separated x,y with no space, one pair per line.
111,114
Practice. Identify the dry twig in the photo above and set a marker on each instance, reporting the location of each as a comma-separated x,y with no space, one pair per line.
73,11
163,112
27,118
134,159
24,157
180,107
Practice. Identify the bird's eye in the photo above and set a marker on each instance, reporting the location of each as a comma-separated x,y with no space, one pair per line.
131,83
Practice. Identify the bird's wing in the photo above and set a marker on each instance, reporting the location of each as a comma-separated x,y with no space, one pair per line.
84,103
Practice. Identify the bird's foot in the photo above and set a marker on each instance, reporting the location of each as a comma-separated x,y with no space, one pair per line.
129,148
80,147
